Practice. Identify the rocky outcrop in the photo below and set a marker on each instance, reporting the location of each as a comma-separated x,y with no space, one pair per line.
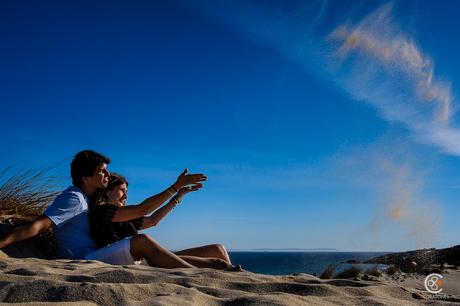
420,259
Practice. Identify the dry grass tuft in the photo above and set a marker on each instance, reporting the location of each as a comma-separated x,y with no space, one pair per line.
328,272
24,194
392,270
349,273
374,271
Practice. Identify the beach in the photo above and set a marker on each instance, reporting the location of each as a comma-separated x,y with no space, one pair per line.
35,281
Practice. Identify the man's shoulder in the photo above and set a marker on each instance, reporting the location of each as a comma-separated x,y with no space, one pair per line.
71,202
73,190
70,197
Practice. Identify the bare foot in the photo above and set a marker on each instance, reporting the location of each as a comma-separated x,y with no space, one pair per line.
236,268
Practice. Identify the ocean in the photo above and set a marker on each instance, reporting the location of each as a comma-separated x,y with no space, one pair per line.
284,263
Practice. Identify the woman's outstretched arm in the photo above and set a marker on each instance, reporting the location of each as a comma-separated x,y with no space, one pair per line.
152,203
158,215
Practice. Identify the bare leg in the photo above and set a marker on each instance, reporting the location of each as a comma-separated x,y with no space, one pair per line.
207,262
142,246
212,250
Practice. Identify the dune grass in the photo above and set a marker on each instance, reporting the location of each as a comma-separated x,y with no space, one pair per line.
374,271
349,273
328,273
25,194
392,270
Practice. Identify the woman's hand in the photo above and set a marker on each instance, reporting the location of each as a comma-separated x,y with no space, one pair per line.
184,190
186,179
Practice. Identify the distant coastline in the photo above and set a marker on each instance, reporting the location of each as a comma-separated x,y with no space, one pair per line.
286,250
309,250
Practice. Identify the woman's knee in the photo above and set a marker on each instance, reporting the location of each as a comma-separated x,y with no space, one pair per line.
219,247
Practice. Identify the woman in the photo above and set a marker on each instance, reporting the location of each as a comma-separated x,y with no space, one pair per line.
111,220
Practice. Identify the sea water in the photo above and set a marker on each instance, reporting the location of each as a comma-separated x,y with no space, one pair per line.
284,263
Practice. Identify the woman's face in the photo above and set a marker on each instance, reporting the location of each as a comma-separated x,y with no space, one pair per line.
118,195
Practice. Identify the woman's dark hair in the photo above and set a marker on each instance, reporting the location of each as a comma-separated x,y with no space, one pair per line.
115,179
84,164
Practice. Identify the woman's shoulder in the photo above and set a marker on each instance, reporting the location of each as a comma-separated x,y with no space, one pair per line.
107,206
104,211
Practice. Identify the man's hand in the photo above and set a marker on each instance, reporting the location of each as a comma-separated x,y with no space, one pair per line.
186,179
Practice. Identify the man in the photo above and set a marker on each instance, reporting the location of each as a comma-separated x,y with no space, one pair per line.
69,211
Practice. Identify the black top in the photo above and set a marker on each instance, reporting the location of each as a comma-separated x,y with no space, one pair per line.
104,231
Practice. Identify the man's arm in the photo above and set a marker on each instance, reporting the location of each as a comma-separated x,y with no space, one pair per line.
41,224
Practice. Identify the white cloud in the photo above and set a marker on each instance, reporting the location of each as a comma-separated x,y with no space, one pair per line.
381,64
374,60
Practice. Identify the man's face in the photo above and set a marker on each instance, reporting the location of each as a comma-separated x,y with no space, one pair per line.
100,178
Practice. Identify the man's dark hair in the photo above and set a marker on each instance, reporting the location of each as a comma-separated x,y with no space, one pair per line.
84,164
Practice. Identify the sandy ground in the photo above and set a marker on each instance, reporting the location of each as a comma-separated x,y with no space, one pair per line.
41,282
415,283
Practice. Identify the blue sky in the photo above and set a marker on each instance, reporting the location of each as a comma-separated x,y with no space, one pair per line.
319,124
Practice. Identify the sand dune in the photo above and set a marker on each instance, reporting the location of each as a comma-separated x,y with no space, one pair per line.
36,281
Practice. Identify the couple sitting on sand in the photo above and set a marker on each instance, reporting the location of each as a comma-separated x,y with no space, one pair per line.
92,222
